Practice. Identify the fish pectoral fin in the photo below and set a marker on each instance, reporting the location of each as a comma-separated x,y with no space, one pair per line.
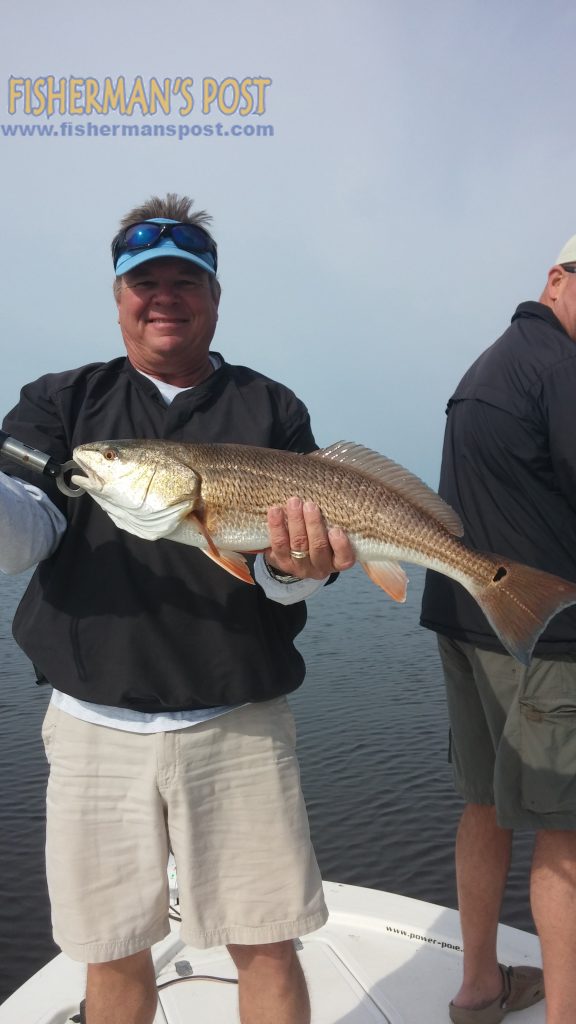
203,529
232,561
390,576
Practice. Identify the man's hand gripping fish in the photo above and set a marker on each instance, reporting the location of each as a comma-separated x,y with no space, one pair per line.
216,497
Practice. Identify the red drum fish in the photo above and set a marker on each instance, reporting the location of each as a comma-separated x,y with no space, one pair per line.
216,496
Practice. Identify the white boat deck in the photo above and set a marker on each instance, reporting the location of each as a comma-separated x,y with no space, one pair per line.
380,959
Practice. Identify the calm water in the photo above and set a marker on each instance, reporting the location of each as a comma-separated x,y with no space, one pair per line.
372,743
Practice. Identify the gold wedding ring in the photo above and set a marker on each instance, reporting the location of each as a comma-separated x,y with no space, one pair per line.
298,554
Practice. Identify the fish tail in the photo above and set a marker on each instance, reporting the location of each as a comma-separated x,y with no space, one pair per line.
519,602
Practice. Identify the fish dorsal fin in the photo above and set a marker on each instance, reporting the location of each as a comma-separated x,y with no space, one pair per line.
396,478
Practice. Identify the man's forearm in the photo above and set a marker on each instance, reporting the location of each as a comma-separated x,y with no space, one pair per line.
30,525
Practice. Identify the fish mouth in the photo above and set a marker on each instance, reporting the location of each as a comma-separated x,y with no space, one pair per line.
84,476
72,466
87,483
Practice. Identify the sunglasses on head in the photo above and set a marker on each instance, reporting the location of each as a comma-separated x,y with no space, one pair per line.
146,234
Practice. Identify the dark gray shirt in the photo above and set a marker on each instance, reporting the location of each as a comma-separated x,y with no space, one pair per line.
509,470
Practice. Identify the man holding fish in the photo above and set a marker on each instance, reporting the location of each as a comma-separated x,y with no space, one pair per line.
168,725
509,469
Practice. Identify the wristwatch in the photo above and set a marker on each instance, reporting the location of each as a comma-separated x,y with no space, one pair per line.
281,577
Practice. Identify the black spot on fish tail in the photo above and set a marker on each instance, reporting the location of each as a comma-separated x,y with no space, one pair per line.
519,602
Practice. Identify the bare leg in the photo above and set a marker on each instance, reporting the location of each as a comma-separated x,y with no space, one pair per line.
272,987
122,991
553,893
483,851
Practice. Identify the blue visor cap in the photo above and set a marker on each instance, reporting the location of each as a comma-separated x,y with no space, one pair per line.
152,239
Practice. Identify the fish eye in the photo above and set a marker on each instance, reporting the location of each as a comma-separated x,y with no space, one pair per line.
110,454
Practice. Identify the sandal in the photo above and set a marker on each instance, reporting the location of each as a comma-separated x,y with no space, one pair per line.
80,1018
522,987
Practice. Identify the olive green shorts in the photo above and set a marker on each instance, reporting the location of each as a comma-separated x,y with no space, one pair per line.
513,734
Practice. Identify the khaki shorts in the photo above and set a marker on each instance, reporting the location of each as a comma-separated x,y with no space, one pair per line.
513,734
224,796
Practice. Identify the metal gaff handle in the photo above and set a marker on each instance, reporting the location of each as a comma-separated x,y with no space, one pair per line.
40,462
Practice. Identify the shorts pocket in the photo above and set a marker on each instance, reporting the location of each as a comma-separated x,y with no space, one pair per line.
49,730
288,722
548,754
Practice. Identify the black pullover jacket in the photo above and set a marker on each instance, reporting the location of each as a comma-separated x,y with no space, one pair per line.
152,626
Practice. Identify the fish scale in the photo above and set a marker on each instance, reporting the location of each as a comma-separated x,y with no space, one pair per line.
360,506
216,497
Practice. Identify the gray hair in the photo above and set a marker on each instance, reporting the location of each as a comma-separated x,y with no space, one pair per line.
173,207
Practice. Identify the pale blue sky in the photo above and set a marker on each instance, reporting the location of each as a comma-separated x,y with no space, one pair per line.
418,185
